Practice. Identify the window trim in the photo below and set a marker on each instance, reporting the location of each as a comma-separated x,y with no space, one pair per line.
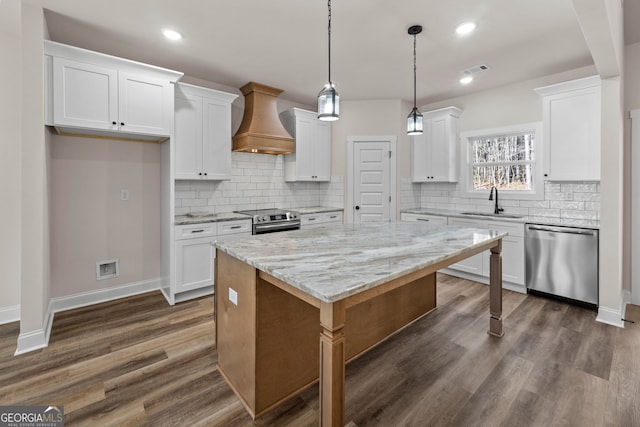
538,180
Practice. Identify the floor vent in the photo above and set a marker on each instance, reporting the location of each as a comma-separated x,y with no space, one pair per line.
107,269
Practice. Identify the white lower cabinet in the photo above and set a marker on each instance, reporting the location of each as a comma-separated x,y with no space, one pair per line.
477,266
194,263
474,264
195,254
320,219
512,253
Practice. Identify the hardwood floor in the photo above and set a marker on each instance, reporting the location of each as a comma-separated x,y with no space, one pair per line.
138,361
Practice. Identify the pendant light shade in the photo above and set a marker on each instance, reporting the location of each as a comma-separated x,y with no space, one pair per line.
328,103
328,99
415,124
414,120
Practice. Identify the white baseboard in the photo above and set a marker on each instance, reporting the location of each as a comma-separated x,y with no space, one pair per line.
9,314
103,295
39,338
610,317
35,340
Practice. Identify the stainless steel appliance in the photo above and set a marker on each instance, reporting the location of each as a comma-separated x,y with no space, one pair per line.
272,220
562,261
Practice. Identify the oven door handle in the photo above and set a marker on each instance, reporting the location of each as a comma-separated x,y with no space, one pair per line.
293,225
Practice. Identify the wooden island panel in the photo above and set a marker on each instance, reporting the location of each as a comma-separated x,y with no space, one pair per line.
268,346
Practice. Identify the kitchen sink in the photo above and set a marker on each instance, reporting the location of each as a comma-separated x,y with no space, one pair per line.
500,215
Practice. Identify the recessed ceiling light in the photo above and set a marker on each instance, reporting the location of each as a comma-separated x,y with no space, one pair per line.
466,28
171,34
466,79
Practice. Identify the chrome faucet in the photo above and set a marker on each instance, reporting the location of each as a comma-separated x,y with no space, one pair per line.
496,209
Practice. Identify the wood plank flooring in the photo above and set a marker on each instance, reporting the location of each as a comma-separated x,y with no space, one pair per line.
140,362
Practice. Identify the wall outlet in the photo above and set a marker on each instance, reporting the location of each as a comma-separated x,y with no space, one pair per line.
233,296
124,195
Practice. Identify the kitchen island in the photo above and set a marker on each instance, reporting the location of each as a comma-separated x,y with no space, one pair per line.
351,286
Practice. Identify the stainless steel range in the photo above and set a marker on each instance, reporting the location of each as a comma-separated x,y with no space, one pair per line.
272,220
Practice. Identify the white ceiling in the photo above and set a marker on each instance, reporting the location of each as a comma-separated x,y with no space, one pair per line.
283,43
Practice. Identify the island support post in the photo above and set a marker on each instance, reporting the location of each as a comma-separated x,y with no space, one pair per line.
332,363
495,291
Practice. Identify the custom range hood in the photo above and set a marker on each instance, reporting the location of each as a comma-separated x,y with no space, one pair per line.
261,130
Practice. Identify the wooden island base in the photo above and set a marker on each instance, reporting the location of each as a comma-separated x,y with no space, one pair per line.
268,346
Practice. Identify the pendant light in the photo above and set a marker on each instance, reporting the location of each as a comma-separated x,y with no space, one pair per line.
414,120
328,99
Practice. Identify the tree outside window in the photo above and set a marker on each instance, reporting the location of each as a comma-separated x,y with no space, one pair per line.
504,161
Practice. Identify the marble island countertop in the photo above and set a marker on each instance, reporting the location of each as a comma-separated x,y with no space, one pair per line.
204,217
565,222
332,264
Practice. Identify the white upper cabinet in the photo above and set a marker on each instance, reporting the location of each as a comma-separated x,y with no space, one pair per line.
90,93
571,116
434,153
144,104
84,95
312,158
202,133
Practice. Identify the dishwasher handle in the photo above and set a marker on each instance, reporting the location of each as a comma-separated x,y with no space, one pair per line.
562,230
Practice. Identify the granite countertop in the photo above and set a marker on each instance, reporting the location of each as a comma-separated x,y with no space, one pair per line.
333,263
315,209
204,217
525,219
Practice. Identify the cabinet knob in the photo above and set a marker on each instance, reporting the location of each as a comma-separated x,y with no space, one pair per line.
205,174
200,173
114,123
357,208
121,123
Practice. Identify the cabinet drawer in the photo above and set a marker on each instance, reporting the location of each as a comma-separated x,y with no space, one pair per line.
333,217
193,231
514,229
432,219
233,227
310,219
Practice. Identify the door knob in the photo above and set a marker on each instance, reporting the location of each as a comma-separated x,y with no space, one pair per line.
357,208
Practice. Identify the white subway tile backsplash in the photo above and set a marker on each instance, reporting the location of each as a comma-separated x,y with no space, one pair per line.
561,204
576,200
257,182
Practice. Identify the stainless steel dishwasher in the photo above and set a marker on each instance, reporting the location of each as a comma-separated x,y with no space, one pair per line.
562,261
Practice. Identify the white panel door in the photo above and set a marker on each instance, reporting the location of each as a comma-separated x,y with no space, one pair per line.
194,263
216,143
144,104
371,192
322,151
188,137
84,95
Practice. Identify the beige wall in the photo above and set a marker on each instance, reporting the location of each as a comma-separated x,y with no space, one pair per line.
35,289
10,153
89,222
507,105
371,118
631,102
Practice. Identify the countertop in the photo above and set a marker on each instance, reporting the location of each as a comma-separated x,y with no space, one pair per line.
564,222
333,263
315,210
204,217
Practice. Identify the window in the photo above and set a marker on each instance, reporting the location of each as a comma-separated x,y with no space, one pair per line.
506,158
